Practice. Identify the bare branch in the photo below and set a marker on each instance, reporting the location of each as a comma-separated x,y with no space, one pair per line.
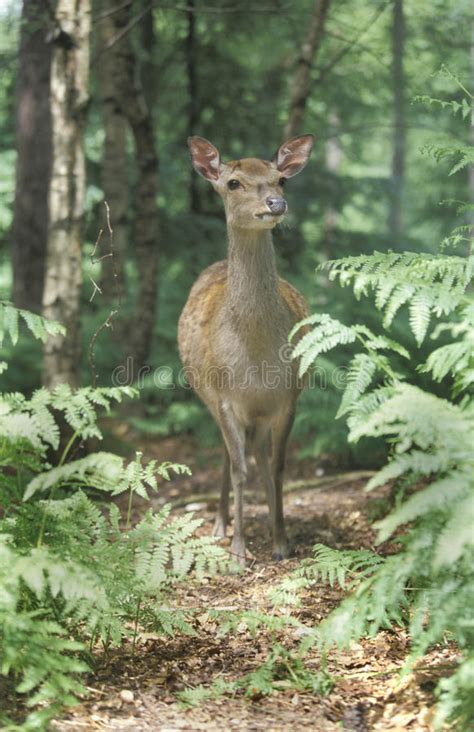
108,322
339,56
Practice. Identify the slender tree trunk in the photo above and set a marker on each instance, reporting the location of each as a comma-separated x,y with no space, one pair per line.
115,178
148,72
301,82
134,107
333,163
29,232
395,220
69,97
191,68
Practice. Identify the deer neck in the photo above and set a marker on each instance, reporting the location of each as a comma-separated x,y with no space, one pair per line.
252,278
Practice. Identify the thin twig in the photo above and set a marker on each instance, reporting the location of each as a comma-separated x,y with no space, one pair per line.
108,322
354,42
112,11
216,10
329,67
174,8
126,29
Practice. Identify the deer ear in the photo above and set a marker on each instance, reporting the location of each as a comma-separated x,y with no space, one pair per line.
292,156
205,158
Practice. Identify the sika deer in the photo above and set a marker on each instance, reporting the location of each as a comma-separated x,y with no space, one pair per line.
233,331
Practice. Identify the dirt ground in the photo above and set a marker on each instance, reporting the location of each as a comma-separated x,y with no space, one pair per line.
136,691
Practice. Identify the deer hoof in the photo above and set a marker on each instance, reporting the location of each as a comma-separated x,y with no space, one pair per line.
219,529
237,551
280,552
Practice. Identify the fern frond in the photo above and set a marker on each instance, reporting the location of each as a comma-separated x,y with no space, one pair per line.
457,534
327,334
101,470
420,313
429,284
40,327
433,498
361,371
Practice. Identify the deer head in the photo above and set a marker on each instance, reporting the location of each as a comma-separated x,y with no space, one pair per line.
252,189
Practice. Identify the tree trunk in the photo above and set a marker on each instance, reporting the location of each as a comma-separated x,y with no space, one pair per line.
395,222
301,83
148,72
191,67
33,142
115,178
145,237
69,89
333,163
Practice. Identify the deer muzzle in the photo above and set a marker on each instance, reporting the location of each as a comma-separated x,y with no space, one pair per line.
276,205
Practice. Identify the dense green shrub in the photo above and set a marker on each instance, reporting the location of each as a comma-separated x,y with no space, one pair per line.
429,584
73,573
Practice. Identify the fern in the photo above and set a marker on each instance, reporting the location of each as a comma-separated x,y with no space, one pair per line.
69,575
359,377
280,670
431,285
327,334
456,701
455,359
457,535
343,568
11,316
199,694
428,586
100,470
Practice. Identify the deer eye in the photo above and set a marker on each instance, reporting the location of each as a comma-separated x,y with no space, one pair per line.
282,182
233,184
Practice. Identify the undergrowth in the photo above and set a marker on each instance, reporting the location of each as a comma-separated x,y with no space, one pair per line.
74,574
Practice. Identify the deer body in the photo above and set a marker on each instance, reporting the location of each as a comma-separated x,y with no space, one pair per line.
233,332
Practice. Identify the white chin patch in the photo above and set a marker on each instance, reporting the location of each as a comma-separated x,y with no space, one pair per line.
269,217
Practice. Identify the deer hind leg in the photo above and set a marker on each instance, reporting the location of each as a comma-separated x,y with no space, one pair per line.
233,434
262,458
261,449
222,517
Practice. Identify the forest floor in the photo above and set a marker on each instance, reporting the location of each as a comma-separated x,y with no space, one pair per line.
135,690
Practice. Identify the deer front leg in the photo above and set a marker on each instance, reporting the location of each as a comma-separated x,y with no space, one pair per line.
222,517
280,433
234,437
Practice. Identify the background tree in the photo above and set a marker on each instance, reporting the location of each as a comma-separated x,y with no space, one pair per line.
301,82
115,163
29,231
135,108
193,99
69,97
395,221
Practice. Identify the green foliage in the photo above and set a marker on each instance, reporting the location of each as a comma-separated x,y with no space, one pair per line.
198,694
456,359
344,568
10,318
456,700
429,585
282,669
72,573
429,285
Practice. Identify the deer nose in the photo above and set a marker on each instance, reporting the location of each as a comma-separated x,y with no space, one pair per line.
276,205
